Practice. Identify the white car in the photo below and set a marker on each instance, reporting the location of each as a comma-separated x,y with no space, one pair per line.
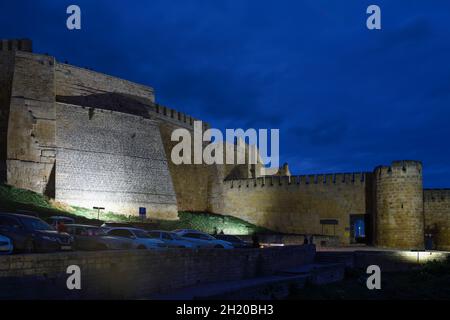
138,238
171,239
203,240
6,245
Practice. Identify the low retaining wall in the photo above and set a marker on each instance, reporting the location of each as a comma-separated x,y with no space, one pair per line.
138,273
388,261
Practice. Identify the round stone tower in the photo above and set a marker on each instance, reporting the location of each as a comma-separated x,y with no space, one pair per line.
399,219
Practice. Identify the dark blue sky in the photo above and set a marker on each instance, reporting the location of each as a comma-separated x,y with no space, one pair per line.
344,98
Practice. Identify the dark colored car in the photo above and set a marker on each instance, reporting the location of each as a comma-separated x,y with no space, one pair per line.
234,240
110,225
53,221
31,234
88,237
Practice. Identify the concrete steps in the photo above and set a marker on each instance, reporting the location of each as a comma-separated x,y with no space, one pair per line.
278,286
346,258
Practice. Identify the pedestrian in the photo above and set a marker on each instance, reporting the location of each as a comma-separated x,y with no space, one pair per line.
305,239
255,240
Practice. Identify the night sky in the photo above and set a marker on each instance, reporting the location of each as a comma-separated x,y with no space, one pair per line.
344,98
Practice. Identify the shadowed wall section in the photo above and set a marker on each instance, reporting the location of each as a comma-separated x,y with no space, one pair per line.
437,216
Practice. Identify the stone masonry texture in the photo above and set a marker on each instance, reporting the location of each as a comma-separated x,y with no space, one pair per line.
136,274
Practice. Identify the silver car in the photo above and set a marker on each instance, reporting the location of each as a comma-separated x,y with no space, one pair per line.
172,239
89,237
202,239
138,238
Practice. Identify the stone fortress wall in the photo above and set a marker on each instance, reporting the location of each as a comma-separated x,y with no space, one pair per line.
296,204
437,215
399,205
90,139
117,163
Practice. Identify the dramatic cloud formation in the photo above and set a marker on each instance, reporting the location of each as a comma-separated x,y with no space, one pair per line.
345,98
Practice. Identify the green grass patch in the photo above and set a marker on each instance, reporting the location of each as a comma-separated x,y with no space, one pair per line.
210,223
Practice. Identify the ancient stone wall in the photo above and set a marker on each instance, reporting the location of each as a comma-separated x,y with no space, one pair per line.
192,182
6,74
112,160
399,205
74,81
437,216
295,204
138,273
31,126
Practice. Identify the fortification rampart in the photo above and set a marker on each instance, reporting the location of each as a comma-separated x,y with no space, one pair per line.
16,45
437,216
296,204
112,160
176,118
399,205
75,81
126,169
6,75
31,122
306,180
88,138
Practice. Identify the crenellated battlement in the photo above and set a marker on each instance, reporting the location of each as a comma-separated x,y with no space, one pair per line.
401,167
436,195
177,116
16,45
332,179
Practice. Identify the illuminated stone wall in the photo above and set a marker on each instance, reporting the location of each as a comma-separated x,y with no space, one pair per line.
31,125
295,204
74,81
112,146
437,216
399,205
6,74
112,160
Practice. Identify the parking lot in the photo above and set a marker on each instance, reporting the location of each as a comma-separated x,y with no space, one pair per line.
26,233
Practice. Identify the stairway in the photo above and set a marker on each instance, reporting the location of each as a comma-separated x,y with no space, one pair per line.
277,286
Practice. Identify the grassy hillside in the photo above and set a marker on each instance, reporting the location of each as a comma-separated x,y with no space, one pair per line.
24,201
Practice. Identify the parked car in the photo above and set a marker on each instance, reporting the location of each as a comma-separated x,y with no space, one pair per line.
138,238
202,239
234,240
171,239
6,245
110,225
31,234
88,237
53,221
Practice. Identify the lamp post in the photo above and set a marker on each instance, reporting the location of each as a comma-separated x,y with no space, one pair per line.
98,211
